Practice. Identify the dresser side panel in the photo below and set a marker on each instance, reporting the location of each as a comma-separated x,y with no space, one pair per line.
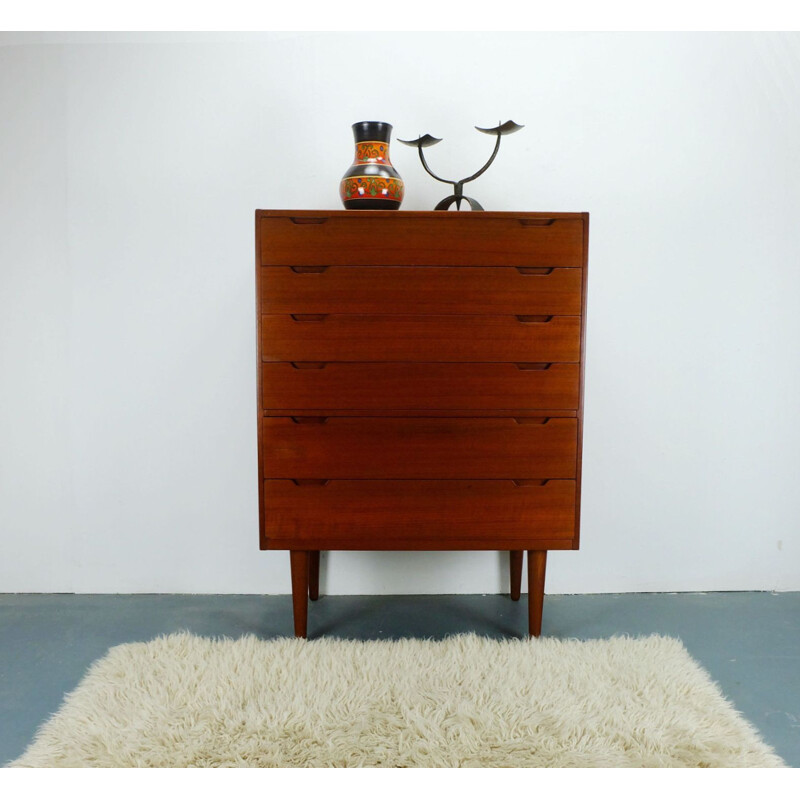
579,461
259,392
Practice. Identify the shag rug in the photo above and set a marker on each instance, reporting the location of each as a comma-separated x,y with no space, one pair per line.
467,701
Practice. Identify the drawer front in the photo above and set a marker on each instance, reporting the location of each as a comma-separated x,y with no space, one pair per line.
405,448
393,386
420,290
353,337
417,514
428,239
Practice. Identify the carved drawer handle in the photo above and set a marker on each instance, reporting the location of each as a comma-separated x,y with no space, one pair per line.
531,420
308,270
309,420
310,481
308,317
535,270
525,482
536,366
308,220
308,364
537,223
534,318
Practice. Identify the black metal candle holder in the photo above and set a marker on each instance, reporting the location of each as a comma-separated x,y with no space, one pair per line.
458,194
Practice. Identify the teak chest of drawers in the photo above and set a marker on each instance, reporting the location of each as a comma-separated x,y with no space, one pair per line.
420,386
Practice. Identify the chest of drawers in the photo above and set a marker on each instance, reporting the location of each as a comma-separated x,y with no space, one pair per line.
420,386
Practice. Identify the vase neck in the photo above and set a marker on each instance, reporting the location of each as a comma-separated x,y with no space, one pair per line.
372,153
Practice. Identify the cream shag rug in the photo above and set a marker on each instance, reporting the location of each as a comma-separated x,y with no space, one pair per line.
467,701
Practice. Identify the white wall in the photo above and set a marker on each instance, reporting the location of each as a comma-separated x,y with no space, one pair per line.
130,168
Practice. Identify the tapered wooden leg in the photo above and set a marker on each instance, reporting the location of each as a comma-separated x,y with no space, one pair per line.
313,575
537,561
515,558
299,562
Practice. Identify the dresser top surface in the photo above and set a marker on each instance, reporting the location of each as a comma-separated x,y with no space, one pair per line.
260,213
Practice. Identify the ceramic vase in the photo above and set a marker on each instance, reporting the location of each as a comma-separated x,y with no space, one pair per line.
372,182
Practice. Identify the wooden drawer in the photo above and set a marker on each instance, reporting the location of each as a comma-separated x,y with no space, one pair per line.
419,447
419,515
421,238
395,337
420,290
397,386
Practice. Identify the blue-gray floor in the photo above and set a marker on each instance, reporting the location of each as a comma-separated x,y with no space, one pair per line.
748,641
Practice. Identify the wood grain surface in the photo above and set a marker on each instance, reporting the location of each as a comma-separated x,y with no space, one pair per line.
419,447
398,386
419,515
420,290
393,337
429,239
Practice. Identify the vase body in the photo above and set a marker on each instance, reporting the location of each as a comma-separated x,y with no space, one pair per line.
372,181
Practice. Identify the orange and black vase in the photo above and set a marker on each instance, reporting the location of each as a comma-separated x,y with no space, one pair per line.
372,181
